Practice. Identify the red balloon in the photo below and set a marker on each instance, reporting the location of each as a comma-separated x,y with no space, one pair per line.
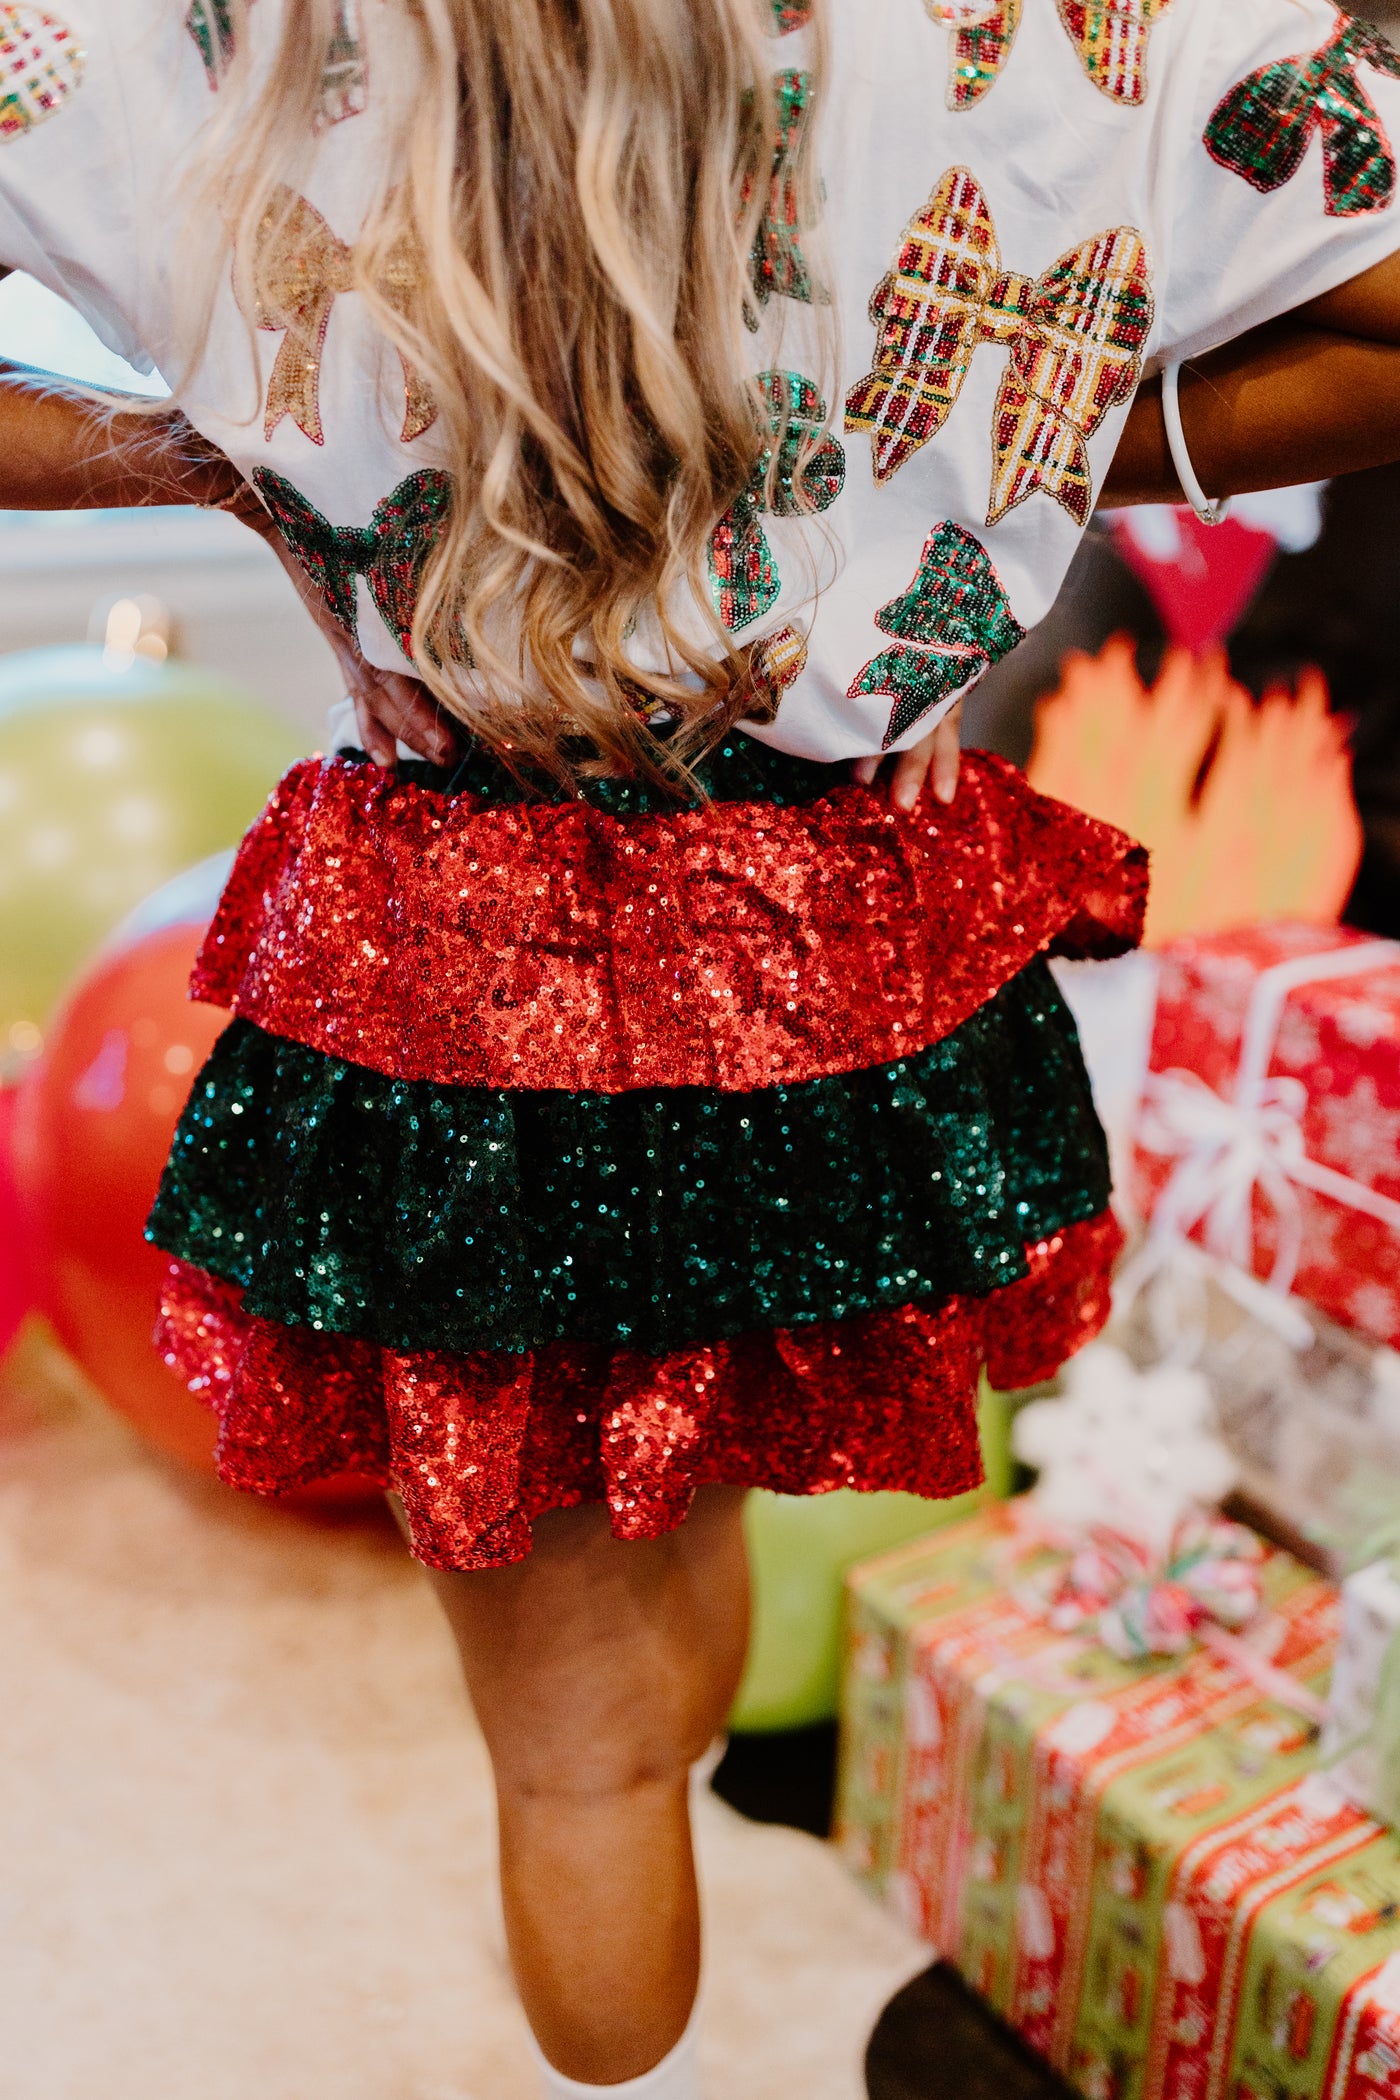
16,1290
95,1118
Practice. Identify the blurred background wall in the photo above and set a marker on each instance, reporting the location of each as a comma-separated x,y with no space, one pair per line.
231,607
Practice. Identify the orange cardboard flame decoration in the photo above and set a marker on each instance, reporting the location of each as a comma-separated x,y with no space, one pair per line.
1245,806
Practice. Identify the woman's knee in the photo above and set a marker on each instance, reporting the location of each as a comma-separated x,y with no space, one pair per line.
597,1667
574,1772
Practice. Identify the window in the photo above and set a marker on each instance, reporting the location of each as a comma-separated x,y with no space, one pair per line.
38,328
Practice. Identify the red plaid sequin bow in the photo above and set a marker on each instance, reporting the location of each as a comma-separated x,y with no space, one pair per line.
1110,36
1075,338
41,65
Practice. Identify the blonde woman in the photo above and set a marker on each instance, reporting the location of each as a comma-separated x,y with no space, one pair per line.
645,1080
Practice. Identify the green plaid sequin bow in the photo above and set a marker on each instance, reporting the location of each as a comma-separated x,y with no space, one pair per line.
1074,338
952,624
744,580
1263,127
389,552
777,264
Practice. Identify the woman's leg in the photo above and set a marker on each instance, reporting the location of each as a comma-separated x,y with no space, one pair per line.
600,1670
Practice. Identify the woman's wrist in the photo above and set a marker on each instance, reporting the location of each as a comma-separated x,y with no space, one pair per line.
1142,470
165,460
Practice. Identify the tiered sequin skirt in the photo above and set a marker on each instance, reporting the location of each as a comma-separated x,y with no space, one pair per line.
598,1150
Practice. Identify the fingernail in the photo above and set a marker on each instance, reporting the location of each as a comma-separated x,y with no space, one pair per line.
945,789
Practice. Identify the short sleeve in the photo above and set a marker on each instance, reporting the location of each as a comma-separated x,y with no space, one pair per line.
68,205
1278,154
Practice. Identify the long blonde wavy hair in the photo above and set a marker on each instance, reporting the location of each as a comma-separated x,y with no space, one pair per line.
578,184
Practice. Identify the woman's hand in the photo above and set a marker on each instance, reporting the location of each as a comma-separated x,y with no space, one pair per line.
939,753
391,707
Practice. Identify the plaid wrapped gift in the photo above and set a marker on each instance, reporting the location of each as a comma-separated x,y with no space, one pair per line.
1139,1865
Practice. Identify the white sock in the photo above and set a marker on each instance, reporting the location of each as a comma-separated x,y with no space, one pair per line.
676,2077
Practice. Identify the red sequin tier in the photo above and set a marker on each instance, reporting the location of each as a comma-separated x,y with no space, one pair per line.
735,946
480,1445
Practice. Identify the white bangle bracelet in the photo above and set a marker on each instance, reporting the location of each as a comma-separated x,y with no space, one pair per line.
1209,513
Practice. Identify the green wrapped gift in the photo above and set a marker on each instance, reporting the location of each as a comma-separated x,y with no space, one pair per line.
1140,1865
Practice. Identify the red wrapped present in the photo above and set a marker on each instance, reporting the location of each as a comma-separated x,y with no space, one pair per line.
1269,1134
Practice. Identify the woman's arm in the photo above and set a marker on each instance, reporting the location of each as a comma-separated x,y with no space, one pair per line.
61,450
1314,394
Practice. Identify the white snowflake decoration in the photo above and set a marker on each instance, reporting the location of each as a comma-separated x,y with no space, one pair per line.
1365,1024
1133,1451
1363,1135
1374,1308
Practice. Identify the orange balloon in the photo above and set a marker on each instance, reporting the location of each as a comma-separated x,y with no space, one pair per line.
94,1122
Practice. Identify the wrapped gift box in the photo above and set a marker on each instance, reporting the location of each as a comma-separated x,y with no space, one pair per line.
1313,1425
1358,1740
1270,1128
1140,1866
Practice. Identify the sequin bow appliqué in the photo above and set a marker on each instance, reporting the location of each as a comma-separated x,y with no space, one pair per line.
1263,127
983,34
1074,338
389,552
300,269
1110,36
41,65
777,263
344,90
952,624
744,580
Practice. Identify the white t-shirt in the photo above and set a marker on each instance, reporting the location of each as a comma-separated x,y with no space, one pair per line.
1028,203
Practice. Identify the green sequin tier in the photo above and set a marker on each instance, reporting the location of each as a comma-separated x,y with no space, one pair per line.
462,1218
738,769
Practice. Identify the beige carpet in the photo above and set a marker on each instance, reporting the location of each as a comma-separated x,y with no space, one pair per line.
245,1819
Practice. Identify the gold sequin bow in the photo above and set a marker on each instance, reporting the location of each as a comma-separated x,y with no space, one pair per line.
1075,338
1110,36
301,269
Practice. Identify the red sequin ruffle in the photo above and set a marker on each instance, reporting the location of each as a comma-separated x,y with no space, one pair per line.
480,1445
736,946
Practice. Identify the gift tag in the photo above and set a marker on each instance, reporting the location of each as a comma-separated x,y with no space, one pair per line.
41,65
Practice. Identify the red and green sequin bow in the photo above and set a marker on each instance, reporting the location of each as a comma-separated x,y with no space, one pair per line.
344,88
777,264
744,580
1074,336
1263,127
952,624
389,552
1110,36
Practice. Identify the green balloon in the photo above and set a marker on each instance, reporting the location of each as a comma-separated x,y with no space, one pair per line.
111,781
800,1549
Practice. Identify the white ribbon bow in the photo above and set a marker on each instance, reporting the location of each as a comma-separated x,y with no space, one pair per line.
1227,1150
